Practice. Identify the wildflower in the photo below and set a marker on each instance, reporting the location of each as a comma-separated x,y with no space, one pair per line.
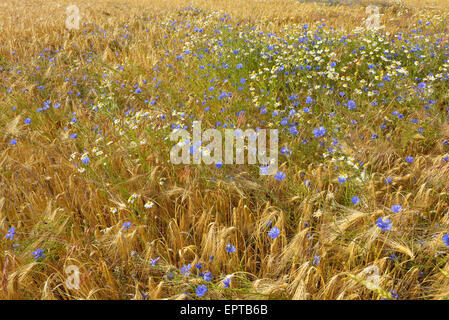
153,261
280,176
446,239
27,121
73,135
393,294
355,200
342,178
113,210
226,282
293,130
230,248
201,290
351,105
393,257
126,225
185,270
319,132
13,142
285,151
388,180
149,204
316,260
208,276
11,233
384,225
396,208
263,169
409,159
274,233
38,253
85,158
133,197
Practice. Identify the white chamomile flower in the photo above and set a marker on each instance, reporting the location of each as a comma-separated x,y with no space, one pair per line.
149,204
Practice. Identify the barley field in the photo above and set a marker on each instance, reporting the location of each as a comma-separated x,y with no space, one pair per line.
92,207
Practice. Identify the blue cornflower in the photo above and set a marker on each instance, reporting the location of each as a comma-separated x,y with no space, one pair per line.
219,165
13,142
388,180
185,270
285,151
316,260
384,225
319,132
208,276
226,282
446,239
264,169
355,200
351,105
126,225
38,253
393,257
11,233
201,290
409,159
280,176
153,261
230,248
309,100
393,294
73,135
293,130
27,120
396,208
274,233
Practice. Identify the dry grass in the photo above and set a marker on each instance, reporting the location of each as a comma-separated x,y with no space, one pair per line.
68,214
